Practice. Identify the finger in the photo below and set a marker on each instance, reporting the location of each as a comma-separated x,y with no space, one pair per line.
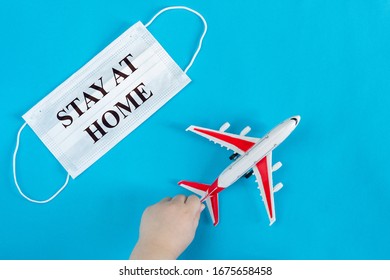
179,199
197,215
193,201
168,198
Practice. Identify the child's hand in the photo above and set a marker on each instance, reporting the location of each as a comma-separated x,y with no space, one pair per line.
167,228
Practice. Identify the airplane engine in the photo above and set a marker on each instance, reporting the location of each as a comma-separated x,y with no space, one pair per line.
224,127
277,187
276,166
245,131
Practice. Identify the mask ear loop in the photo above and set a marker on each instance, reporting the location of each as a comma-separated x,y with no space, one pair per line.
194,12
68,176
16,181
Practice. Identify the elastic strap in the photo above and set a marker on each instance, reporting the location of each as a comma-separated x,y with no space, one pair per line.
16,181
194,12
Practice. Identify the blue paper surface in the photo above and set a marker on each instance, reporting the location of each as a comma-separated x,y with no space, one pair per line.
261,62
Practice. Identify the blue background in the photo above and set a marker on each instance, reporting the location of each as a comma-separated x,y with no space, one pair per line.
262,62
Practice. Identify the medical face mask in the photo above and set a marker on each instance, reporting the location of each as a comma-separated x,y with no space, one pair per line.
109,97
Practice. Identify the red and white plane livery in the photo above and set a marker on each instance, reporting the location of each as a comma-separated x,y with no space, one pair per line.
254,156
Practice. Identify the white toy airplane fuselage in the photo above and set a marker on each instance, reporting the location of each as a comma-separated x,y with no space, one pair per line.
255,157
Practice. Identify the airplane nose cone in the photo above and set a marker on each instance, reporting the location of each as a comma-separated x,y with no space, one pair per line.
297,119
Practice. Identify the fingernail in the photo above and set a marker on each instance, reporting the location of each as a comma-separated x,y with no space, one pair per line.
202,207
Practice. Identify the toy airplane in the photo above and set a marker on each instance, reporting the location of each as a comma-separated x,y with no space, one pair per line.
254,156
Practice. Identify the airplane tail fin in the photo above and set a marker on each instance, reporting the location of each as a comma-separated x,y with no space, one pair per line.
203,191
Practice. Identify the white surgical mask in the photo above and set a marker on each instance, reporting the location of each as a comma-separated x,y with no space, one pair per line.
110,96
